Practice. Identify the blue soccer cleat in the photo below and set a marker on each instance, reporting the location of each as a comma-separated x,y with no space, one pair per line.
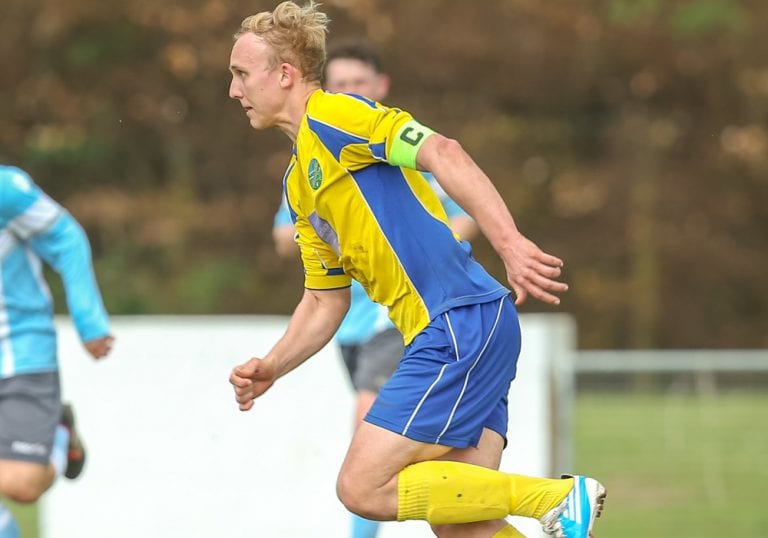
575,516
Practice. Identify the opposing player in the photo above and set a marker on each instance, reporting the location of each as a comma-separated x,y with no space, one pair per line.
430,445
38,441
370,344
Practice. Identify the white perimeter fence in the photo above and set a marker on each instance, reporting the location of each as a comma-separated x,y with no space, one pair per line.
171,456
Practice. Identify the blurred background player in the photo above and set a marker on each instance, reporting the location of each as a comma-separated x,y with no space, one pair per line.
370,344
38,441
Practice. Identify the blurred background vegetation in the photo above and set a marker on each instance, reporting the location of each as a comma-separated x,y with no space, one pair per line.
628,137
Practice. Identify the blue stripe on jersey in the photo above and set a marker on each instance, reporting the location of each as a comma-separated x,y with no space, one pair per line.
435,262
379,150
365,100
332,138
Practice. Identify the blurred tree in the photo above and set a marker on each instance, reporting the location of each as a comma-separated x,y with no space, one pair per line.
628,136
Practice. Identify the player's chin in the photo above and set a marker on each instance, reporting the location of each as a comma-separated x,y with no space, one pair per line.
258,123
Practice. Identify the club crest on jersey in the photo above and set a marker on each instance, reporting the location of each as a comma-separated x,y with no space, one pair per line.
314,174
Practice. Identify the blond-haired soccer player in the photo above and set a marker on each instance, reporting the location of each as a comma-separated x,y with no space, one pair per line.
370,345
430,445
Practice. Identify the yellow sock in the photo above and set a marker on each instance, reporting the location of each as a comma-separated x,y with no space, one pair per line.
508,532
448,492
534,497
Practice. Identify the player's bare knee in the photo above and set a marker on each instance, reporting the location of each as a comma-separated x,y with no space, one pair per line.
346,491
354,495
23,486
23,491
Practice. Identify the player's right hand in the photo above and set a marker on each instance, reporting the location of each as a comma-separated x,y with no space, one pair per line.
250,380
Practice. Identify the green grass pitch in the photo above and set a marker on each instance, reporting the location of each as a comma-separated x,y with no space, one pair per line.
675,465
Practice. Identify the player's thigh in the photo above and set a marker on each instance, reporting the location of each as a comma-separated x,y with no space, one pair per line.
376,456
487,454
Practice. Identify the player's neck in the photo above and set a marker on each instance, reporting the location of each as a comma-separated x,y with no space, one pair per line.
295,108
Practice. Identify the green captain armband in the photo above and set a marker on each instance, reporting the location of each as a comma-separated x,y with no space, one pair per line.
407,143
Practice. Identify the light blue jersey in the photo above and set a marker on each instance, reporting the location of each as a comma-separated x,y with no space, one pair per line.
35,229
365,318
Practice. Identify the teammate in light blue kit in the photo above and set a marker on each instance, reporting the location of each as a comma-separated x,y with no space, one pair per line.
37,437
370,344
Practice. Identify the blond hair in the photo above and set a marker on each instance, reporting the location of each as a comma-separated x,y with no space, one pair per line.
296,35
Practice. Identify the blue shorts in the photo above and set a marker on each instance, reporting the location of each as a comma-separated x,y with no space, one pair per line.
454,377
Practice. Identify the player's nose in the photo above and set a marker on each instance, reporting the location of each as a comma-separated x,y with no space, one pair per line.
234,90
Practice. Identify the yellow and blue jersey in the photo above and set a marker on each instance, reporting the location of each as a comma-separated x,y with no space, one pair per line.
358,216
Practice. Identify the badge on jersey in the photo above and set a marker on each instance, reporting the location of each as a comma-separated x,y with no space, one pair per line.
315,174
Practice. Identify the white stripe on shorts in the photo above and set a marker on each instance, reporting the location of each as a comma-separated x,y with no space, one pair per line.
416,411
453,336
466,378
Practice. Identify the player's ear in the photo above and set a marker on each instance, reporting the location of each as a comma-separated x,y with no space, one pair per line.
288,75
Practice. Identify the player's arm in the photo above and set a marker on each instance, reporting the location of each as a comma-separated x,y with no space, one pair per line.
314,322
59,240
65,247
529,269
312,325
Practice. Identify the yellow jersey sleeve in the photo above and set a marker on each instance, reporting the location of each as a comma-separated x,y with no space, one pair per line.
322,266
374,132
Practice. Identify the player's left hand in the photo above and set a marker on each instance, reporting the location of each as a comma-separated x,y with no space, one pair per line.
532,271
250,380
100,347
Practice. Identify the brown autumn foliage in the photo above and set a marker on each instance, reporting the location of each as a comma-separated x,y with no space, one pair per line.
628,137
